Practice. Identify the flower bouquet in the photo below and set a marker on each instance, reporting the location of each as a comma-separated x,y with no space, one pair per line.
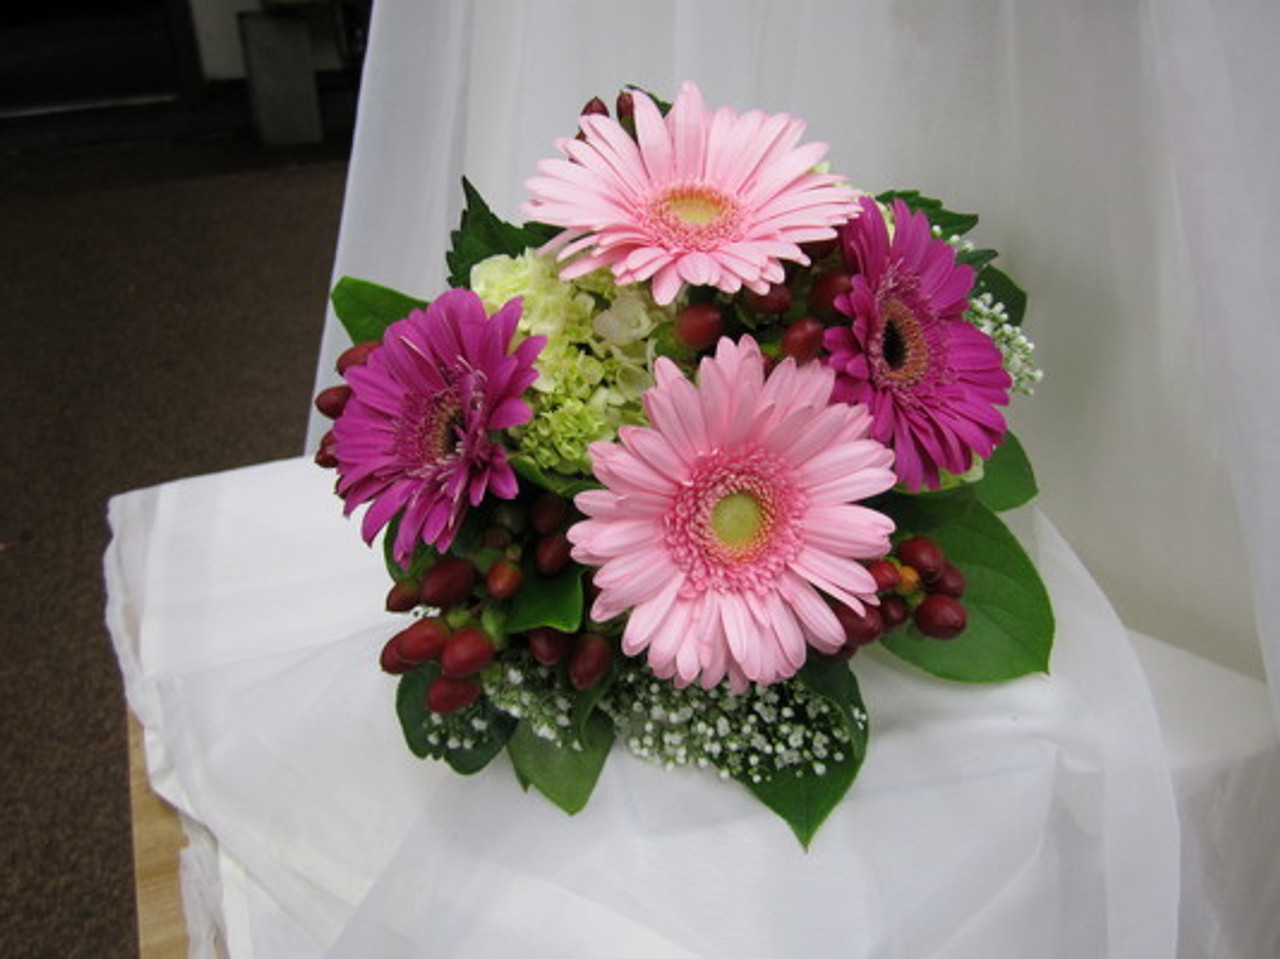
669,454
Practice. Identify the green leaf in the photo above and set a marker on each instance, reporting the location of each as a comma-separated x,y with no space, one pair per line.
1010,630
800,796
554,601
1007,478
975,258
664,106
927,508
420,725
367,309
565,775
585,700
566,486
1000,285
481,234
424,557
949,222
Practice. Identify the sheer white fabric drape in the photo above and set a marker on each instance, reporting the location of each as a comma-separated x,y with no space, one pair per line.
1122,157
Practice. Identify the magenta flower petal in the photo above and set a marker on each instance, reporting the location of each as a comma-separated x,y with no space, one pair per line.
931,380
706,198
415,438
720,523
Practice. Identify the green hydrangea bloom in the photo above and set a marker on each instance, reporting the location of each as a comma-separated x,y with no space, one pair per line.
597,362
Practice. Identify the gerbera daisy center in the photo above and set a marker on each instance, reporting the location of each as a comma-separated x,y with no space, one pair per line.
430,427
737,519
695,208
736,524
693,216
903,349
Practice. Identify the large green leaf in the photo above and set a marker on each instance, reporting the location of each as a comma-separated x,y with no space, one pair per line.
801,796
419,724
554,601
481,234
1008,480
1010,631
367,309
565,775
948,221
1004,290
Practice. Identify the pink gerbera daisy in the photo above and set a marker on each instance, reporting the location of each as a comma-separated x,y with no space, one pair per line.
721,523
712,199
416,434
931,379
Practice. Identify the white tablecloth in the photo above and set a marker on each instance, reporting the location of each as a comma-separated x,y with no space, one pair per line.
1033,818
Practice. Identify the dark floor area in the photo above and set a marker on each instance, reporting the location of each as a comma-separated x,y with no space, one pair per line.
162,304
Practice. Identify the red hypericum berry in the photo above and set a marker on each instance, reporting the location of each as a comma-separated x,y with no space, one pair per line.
826,287
819,250
356,355
950,583
893,612
802,339
699,325
594,107
885,573
548,645
775,301
448,694
325,456
859,628
332,401
391,660
589,661
551,554
941,617
548,513
503,579
448,582
422,641
403,596
924,554
625,106
469,651
908,581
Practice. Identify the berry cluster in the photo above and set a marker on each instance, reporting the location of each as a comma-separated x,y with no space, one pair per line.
463,596
915,583
471,594
333,400
798,309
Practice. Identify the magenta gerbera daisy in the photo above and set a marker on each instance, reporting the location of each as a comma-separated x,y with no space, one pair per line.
931,379
415,438
722,526
707,198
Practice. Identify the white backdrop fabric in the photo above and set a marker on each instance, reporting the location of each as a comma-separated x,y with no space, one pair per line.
1033,818
1122,157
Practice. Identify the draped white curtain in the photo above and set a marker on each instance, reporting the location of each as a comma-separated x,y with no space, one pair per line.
1123,158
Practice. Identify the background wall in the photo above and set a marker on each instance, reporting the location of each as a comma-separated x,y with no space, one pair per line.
218,38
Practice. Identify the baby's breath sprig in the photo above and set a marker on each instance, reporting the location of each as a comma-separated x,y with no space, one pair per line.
990,317
750,735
